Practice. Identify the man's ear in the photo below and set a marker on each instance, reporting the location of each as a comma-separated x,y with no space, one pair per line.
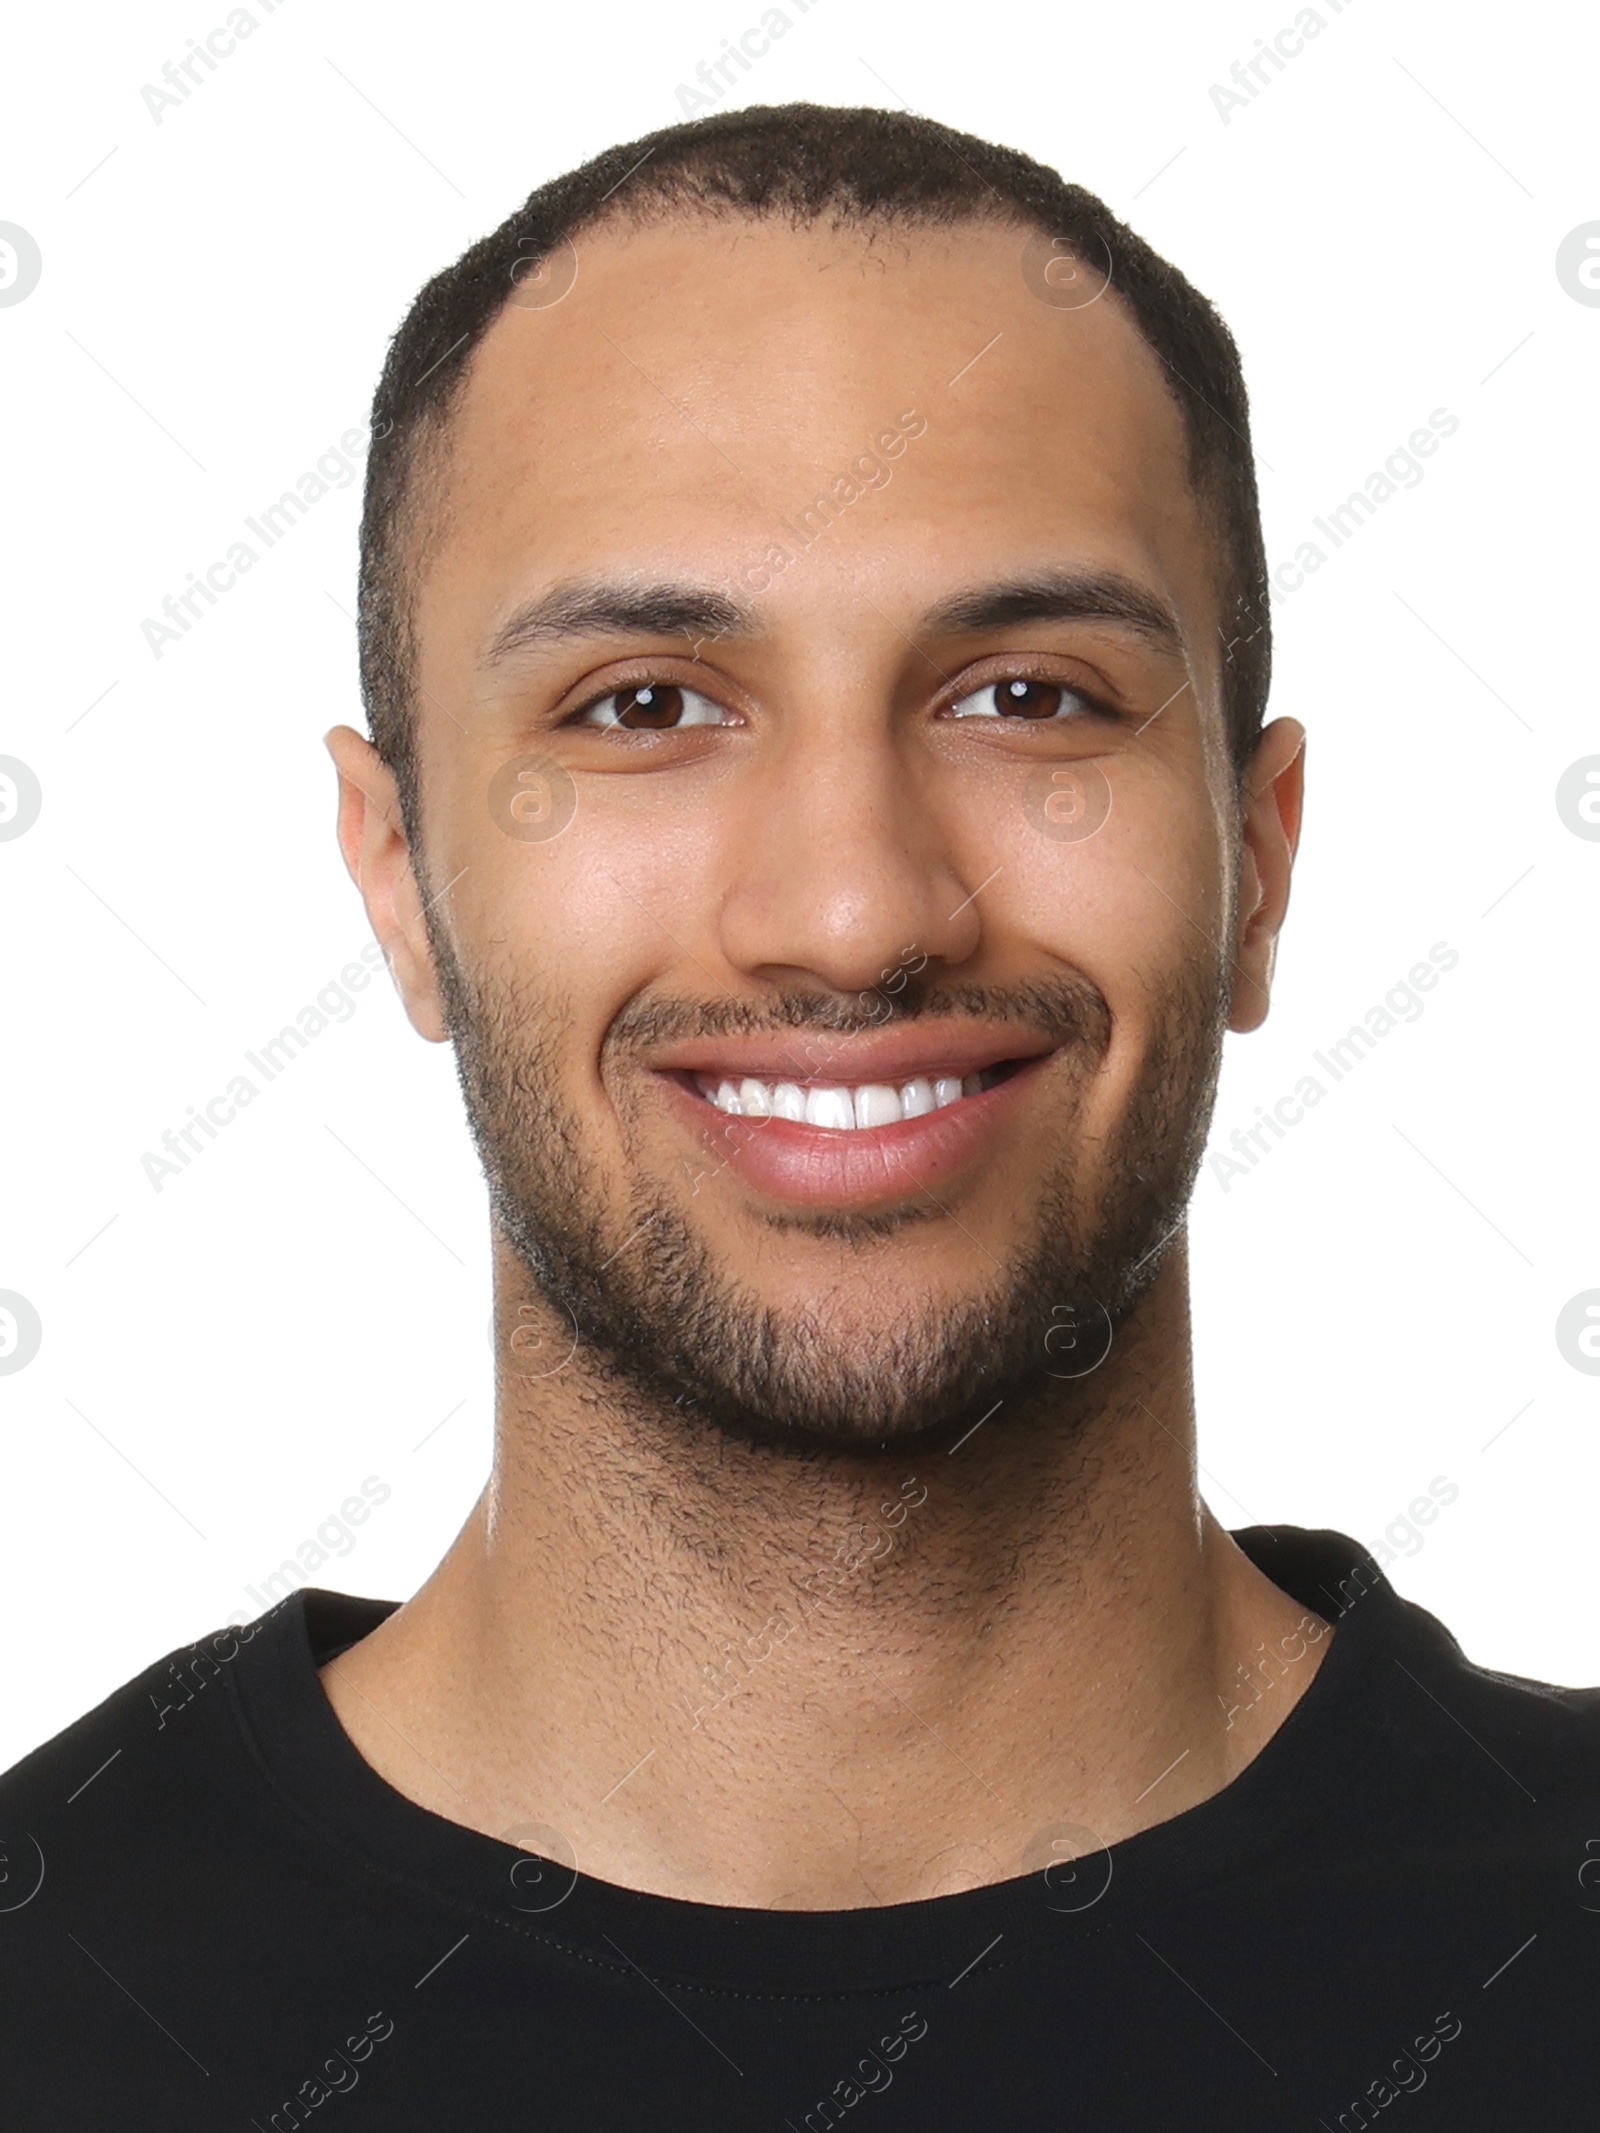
378,856
1272,792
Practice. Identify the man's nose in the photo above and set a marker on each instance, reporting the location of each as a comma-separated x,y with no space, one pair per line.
846,863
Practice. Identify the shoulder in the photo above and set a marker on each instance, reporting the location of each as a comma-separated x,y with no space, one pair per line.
146,1854
1457,1739
152,1771
141,1711
1487,1774
1543,1729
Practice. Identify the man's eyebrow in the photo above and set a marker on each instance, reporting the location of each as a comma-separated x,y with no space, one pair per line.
597,607
600,607
1062,596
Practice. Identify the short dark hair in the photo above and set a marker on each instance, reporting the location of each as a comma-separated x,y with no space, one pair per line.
806,163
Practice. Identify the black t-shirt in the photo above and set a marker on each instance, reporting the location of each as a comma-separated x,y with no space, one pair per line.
215,1914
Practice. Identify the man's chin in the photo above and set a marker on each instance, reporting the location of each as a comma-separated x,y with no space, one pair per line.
808,1427
871,1388
881,1366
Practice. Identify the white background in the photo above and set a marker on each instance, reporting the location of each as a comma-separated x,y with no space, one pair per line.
307,1305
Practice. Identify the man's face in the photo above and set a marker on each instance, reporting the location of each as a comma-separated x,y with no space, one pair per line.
832,851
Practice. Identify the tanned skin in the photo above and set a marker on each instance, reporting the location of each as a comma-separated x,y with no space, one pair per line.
1051,1635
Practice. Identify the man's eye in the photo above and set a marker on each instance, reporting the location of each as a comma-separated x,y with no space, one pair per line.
659,705
1022,699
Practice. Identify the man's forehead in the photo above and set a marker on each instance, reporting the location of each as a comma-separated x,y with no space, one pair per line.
686,332
703,385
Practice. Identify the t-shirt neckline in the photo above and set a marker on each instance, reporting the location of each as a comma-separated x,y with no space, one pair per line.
1320,1750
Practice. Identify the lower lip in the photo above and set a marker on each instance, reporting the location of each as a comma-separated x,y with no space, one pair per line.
815,1166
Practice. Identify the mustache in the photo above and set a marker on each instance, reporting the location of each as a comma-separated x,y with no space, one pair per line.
1063,1009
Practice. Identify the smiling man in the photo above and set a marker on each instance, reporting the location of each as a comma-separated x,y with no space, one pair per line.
815,646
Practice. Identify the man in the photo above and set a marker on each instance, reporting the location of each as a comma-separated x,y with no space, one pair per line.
814,637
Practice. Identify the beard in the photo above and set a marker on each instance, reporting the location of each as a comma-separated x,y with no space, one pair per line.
664,1325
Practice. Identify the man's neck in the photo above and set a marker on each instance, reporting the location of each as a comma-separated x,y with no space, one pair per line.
724,1674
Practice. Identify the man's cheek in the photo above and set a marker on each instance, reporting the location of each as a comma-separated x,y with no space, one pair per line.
569,937
1130,916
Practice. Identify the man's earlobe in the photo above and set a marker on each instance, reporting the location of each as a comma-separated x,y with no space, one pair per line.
1273,791
376,851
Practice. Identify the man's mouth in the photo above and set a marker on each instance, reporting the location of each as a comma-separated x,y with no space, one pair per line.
860,1119
846,1107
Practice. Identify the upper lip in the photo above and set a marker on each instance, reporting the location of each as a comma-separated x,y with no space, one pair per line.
829,1059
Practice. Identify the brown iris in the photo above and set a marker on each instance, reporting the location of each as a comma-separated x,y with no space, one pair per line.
1028,699
658,705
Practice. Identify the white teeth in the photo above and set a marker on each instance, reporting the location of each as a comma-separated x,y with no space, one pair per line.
788,1101
840,1109
829,1107
878,1105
